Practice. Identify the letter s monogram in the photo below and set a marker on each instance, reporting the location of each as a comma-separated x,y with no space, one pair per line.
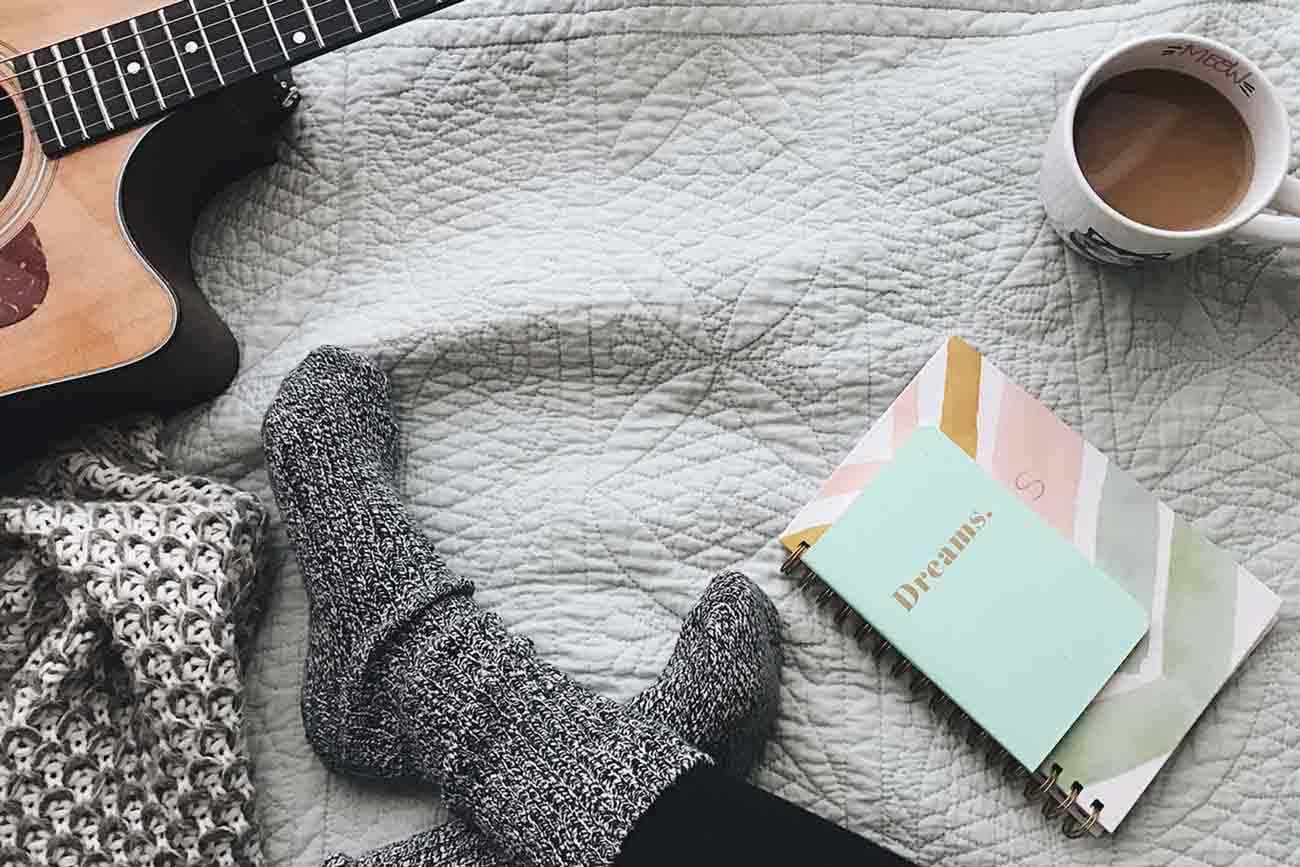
1035,488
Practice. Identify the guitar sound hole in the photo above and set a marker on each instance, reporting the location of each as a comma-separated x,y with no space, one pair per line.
11,143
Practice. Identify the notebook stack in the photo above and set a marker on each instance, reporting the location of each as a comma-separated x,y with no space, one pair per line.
1071,619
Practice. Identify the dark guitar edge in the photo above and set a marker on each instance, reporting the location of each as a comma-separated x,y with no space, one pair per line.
174,172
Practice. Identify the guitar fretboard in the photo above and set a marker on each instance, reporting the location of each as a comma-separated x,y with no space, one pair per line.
99,83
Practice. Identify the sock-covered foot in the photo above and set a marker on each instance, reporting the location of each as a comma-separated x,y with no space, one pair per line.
719,692
331,449
721,686
406,674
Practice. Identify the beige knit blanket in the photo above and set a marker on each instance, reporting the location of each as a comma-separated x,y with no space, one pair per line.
126,592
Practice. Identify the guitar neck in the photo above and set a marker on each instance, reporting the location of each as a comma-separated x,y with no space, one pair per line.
95,85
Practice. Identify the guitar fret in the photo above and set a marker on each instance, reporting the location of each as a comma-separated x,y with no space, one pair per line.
144,57
94,83
164,57
224,33
243,43
171,38
50,109
198,21
374,14
416,8
260,39
138,87
284,49
187,50
334,18
86,91
121,76
352,13
419,7
82,91
315,28
40,112
289,17
108,90
67,86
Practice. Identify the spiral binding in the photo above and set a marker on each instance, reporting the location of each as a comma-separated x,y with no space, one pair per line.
1077,821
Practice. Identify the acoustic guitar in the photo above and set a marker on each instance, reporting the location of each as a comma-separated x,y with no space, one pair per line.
119,120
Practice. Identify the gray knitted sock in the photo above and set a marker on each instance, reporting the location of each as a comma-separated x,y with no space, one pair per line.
331,450
405,674
719,691
721,686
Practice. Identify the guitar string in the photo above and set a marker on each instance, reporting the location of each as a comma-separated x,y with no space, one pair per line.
277,39
176,40
132,45
198,30
130,38
123,115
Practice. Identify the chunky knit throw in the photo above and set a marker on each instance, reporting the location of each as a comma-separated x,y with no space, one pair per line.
125,597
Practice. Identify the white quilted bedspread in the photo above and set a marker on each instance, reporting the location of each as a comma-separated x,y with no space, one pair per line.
642,272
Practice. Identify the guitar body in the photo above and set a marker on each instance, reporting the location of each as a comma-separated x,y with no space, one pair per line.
94,248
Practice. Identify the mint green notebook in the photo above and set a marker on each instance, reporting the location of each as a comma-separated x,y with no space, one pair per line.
986,600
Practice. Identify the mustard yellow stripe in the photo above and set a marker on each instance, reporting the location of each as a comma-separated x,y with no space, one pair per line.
811,535
961,395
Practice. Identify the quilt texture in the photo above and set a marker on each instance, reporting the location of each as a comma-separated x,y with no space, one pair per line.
643,272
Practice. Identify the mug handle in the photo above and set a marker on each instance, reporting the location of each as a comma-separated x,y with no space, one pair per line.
1274,229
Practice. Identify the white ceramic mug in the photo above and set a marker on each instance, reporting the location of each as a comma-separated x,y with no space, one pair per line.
1098,231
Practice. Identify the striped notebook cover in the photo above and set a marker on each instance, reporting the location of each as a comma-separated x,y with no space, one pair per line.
1207,613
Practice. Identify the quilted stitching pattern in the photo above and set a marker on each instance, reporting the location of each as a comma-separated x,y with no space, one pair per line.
643,271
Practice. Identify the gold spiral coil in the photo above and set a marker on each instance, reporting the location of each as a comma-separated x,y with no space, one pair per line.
1035,793
1053,808
794,558
1074,829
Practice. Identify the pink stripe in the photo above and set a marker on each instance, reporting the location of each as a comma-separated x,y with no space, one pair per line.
906,412
851,477
1038,458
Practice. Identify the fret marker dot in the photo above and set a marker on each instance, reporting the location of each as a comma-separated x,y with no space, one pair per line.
191,47
299,38
133,67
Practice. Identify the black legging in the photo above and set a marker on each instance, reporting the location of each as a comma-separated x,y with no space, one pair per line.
707,818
